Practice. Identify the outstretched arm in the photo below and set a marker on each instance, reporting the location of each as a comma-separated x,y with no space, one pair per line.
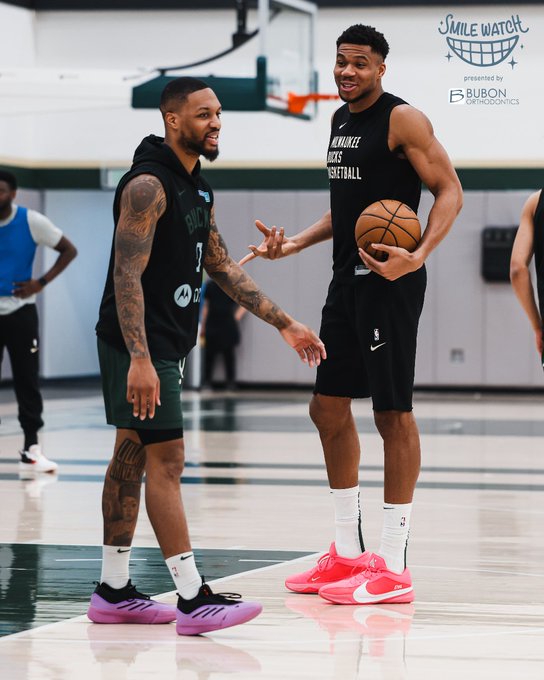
520,275
412,133
143,201
243,290
275,244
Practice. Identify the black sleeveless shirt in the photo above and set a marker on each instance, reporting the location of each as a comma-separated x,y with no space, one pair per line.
172,280
539,250
363,170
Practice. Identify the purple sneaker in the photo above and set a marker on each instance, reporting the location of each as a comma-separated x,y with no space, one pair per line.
207,612
127,605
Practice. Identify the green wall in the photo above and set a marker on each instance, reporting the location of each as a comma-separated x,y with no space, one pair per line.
296,179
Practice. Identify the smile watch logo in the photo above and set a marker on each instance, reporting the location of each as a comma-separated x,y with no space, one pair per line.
485,43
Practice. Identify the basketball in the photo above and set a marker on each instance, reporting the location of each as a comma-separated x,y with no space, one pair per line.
389,222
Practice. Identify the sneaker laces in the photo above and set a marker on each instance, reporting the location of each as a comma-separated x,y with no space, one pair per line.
206,590
135,594
324,561
371,569
131,592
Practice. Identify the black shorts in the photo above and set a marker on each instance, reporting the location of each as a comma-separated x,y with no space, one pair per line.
369,328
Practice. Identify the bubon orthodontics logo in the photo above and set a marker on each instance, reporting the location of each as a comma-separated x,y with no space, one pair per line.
481,96
483,44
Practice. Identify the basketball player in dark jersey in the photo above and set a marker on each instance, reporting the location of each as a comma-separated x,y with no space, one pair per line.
165,236
530,242
380,148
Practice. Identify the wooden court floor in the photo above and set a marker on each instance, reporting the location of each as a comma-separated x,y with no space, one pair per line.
256,495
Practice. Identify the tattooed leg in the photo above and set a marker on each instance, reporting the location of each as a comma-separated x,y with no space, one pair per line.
122,487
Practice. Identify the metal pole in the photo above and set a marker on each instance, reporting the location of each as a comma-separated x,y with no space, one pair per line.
264,14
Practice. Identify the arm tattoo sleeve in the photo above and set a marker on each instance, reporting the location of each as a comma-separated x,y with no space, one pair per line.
143,201
237,284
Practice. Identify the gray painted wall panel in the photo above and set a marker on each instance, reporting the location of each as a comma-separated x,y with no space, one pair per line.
460,320
426,346
462,311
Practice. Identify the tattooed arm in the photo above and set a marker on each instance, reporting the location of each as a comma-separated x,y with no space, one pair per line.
143,201
242,289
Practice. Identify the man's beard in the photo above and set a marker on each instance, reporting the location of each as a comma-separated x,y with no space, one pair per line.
200,149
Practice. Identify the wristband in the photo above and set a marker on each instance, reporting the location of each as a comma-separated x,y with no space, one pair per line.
42,281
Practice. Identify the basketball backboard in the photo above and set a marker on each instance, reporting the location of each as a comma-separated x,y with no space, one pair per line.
284,65
287,38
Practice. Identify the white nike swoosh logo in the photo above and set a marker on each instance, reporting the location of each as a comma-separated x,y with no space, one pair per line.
341,126
373,348
33,350
361,593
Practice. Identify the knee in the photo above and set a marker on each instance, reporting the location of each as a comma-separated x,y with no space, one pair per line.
388,422
168,462
329,414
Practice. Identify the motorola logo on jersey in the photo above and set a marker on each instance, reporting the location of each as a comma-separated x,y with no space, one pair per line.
183,295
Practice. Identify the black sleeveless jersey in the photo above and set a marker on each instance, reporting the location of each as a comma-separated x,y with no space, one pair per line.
172,279
539,250
363,170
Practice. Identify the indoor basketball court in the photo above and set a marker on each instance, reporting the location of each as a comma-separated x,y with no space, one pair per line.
255,486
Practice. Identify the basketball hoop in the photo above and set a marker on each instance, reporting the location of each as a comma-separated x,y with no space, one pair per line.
296,103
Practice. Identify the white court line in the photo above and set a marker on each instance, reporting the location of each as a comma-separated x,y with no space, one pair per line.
280,561
99,559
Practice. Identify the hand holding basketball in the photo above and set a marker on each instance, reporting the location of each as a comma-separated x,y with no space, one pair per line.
387,233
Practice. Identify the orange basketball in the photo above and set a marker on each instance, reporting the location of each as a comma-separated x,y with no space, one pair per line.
389,222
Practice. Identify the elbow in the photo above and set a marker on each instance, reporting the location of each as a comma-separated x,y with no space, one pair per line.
517,271
459,204
458,199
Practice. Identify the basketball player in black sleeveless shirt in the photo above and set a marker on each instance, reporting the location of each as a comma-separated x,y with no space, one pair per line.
379,148
530,242
165,236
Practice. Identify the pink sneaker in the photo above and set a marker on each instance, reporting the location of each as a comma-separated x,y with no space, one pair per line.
127,605
209,611
330,568
376,584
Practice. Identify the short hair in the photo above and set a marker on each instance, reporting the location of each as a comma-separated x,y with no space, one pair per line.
358,34
177,91
9,179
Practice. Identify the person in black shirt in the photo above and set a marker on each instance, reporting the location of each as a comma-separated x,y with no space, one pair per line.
529,242
220,333
380,148
165,236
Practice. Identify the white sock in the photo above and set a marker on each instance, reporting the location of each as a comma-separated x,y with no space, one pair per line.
395,532
347,519
185,574
115,561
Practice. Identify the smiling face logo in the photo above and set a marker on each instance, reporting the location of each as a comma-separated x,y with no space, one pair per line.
482,44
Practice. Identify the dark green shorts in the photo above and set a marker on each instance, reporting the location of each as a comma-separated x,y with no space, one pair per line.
114,367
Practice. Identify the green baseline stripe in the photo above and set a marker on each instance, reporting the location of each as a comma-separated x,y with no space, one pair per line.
274,179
